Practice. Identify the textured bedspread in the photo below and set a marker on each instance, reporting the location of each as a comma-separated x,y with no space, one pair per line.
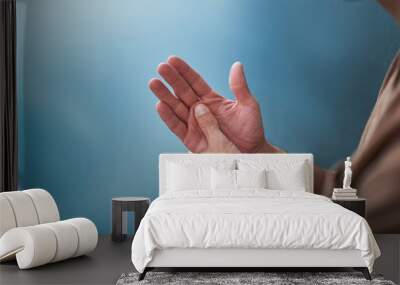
250,219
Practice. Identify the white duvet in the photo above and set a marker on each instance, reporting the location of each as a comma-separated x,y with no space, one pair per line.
250,219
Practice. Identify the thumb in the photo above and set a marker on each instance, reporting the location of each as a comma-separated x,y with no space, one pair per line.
238,82
206,121
216,140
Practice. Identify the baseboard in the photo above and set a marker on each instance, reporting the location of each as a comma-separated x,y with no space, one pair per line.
389,262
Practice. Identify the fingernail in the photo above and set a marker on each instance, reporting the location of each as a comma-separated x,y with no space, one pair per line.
161,66
171,57
200,110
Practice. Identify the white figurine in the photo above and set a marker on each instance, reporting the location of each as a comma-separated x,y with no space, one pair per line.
347,174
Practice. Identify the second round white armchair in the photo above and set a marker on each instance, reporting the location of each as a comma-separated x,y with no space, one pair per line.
31,230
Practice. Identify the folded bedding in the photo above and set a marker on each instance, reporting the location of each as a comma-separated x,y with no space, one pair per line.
250,218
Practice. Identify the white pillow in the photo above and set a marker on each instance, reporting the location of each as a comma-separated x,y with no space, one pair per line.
188,177
291,179
223,179
251,178
193,174
281,174
237,179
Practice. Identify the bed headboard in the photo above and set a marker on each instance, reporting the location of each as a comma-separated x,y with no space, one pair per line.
165,158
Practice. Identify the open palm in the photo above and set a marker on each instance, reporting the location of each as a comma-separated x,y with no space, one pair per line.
240,120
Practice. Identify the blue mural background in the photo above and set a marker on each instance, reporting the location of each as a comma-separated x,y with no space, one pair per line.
88,127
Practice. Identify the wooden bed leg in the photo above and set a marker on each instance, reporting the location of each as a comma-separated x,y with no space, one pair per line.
364,271
143,274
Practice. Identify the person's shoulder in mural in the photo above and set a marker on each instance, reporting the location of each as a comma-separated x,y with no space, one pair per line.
376,161
205,121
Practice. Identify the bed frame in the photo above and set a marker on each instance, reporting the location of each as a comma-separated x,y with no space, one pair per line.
246,259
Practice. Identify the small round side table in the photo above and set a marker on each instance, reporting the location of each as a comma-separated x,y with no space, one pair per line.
120,208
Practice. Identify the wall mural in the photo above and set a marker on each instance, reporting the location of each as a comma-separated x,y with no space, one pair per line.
305,76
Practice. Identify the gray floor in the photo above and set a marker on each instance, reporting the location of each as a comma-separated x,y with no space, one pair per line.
103,266
111,259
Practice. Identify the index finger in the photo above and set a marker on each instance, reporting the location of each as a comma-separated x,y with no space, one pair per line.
171,120
198,84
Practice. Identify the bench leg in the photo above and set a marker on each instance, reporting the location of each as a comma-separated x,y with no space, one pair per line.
364,271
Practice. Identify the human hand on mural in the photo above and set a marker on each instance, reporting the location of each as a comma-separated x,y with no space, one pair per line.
201,133
239,120
236,125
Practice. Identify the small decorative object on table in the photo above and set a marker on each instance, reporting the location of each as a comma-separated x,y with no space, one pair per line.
347,196
345,193
120,207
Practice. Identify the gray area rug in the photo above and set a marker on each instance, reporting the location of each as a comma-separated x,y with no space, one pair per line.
231,278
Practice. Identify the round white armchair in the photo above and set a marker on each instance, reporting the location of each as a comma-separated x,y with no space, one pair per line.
31,230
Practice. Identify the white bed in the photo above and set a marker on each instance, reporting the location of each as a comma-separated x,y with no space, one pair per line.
196,224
